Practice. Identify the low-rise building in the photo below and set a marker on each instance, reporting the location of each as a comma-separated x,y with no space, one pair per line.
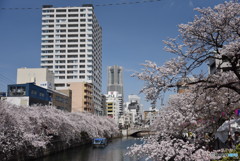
149,117
29,94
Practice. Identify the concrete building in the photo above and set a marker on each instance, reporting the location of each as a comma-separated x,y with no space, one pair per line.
183,85
115,79
113,101
135,108
40,76
115,82
82,99
149,117
29,94
62,99
72,47
219,65
126,120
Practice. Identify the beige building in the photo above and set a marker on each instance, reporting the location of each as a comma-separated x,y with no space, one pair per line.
40,76
82,97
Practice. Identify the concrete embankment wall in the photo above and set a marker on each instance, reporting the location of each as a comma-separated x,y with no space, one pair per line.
55,146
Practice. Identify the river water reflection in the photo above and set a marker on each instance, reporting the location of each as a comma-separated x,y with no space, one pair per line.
115,151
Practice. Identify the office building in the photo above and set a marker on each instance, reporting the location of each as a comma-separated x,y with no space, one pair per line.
72,47
115,82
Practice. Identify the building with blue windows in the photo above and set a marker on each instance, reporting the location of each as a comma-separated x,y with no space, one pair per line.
30,94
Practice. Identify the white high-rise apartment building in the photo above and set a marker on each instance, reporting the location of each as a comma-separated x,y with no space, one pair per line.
72,47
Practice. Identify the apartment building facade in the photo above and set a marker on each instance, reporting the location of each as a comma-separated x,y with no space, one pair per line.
113,103
72,47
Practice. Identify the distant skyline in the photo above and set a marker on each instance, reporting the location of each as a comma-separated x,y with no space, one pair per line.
131,34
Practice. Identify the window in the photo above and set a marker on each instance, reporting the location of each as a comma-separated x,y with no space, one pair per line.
82,61
59,61
71,71
72,56
59,66
60,56
72,51
82,50
48,21
72,61
47,16
73,25
60,72
73,20
73,30
81,71
73,10
73,15
47,31
41,94
48,11
82,45
61,15
72,35
72,77
59,85
73,40
72,66
60,20
60,10
33,92
72,46
47,56
17,91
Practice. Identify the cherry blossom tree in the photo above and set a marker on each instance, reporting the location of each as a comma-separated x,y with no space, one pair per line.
213,35
24,131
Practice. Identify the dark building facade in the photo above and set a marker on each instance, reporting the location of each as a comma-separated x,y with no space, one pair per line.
30,94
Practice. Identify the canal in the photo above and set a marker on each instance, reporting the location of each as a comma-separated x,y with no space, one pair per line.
115,151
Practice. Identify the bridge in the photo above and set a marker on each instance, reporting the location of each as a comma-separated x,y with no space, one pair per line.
136,131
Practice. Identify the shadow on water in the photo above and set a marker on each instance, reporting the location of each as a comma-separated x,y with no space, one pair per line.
115,151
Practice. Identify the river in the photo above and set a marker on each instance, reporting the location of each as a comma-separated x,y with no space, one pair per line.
115,151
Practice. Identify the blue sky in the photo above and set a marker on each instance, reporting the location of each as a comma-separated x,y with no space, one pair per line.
131,34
